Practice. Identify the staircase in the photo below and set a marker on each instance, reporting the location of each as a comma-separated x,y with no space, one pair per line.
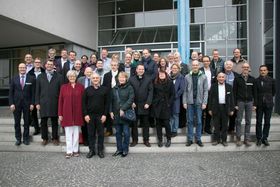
7,140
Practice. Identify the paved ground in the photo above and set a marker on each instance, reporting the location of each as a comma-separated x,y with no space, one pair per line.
168,169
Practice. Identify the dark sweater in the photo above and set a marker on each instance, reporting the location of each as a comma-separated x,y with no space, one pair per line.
96,101
195,81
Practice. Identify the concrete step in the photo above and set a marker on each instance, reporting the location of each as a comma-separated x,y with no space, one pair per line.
140,148
181,138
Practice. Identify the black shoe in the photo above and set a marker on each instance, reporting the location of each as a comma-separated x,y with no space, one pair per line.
100,154
259,142
117,153
215,143
18,143
124,154
265,142
37,131
147,143
26,142
160,144
199,143
174,134
225,144
189,143
85,143
208,131
168,143
247,143
90,154
133,144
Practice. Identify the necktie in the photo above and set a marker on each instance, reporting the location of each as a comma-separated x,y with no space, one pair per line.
49,77
22,82
88,82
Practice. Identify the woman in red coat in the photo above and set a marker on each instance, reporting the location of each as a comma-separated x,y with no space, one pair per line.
70,112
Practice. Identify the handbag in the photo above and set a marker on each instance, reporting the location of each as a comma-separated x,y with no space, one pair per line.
129,114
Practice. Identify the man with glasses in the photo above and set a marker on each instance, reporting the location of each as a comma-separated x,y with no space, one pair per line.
238,61
245,94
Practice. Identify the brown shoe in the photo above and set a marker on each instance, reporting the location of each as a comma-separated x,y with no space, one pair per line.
55,142
147,143
44,142
238,142
247,143
106,134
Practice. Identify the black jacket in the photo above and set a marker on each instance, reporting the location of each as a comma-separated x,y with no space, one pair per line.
266,90
143,91
213,74
107,79
245,90
151,68
162,100
213,101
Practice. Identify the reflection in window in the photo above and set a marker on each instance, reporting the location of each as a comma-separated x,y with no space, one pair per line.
105,37
237,30
147,36
132,36
129,6
158,4
126,21
241,44
174,35
215,14
163,34
237,13
197,15
106,22
195,32
195,3
106,8
216,44
119,36
236,2
215,31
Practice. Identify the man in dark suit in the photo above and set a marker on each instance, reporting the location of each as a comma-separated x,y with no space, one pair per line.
36,71
59,63
21,100
220,106
86,81
69,65
46,100
266,90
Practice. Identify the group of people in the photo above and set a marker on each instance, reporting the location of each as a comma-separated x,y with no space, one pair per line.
163,92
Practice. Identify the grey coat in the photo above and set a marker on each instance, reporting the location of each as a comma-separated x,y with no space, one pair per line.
202,89
47,94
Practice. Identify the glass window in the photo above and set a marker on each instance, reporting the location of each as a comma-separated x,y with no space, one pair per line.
237,30
163,34
100,1
174,34
106,22
197,15
129,6
215,14
106,8
40,52
19,52
232,44
216,44
237,13
105,37
5,54
236,2
215,31
195,32
214,3
119,37
158,4
195,3
126,21
132,36
147,36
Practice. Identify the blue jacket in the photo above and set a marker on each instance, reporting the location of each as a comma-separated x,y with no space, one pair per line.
179,90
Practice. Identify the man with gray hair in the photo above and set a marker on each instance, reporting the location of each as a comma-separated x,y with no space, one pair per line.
195,100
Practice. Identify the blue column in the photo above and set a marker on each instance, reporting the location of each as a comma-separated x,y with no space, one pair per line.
184,29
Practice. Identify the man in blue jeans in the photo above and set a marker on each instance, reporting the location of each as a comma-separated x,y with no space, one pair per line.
245,93
195,100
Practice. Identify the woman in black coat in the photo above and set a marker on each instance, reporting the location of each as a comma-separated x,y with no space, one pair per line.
161,105
122,99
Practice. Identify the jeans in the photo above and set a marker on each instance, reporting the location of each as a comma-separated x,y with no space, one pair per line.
174,122
266,112
247,106
122,136
194,109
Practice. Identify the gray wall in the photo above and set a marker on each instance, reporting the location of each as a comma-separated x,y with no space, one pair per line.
73,20
255,35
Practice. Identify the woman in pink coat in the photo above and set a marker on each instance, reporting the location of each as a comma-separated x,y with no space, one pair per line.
70,113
